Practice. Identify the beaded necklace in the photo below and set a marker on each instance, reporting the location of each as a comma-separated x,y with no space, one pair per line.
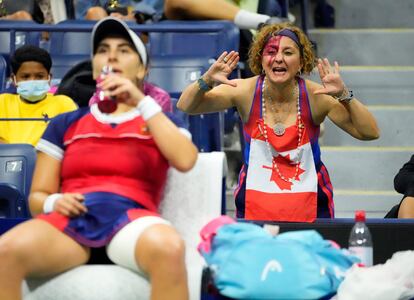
300,132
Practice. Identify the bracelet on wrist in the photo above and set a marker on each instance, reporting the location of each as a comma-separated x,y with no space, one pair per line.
203,85
346,96
49,204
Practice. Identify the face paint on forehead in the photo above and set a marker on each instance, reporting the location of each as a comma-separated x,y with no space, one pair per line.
271,49
272,45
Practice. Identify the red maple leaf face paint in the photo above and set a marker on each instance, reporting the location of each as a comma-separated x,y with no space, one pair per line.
271,50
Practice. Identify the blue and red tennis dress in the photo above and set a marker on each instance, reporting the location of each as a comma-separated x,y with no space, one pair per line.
261,193
114,162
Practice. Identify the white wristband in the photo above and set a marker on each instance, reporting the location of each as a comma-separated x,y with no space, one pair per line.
49,204
148,107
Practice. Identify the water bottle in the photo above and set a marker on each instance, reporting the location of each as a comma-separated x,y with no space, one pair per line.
106,104
360,241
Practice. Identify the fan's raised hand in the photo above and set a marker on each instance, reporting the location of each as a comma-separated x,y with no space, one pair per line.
331,79
222,68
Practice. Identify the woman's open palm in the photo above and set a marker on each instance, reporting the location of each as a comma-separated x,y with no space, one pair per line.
331,79
222,68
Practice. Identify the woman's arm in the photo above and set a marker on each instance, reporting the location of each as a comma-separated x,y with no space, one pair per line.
177,148
201,96
354,118
404,180
46,181
351,116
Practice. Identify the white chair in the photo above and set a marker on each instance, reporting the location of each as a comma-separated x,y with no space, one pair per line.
191,200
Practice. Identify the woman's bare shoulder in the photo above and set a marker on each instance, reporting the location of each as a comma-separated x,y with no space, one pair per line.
312,85
245,94
245,85
320,103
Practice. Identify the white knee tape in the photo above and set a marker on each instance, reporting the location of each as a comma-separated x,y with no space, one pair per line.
121,249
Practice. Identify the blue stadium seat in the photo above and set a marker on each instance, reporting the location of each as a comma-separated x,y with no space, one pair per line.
63,63
69,47
180,114
207,131
8,33
175,64
71,42
201,38
3,71
72,37
208,40
17,163
173,74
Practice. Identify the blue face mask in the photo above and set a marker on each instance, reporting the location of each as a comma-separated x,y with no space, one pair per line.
33,90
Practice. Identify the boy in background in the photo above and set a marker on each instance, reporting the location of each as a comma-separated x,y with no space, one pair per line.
31,75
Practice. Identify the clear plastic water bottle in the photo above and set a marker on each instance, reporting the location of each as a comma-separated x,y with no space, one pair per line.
360,241
106,104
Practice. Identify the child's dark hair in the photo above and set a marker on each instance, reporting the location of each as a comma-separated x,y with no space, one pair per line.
30,53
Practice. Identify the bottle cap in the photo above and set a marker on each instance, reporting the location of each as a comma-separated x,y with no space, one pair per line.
107,69
360,216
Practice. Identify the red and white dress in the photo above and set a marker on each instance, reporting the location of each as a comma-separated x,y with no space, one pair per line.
262,194
114,162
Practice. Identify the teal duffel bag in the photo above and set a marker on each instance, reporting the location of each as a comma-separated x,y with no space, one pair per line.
249,263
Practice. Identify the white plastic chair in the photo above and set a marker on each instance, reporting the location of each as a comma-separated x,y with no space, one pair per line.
191,200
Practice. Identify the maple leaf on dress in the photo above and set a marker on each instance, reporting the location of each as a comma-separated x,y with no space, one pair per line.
287,168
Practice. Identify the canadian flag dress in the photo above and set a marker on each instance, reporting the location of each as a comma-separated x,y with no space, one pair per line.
262,193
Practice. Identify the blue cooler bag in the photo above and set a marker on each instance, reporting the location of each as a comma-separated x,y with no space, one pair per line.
249,263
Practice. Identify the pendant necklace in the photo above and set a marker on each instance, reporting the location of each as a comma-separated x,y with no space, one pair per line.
279,129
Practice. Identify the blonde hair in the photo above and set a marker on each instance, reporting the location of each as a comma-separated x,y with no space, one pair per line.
307,56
